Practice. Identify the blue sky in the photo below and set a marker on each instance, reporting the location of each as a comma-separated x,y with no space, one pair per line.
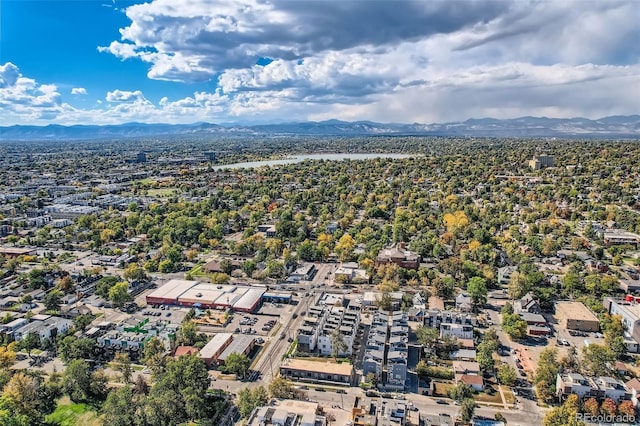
246,61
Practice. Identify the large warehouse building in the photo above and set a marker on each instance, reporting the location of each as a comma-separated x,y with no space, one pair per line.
207,295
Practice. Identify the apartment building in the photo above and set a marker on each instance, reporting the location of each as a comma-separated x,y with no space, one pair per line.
629,311
323,320
591,387
387,349
48,328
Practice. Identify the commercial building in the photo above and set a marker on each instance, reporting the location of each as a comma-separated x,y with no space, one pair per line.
351,273
576,316
317,372
215,347
207,295
304,272
221,345
241,345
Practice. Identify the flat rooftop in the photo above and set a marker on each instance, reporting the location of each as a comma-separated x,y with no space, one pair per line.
574,311
214,345
172,289
249,299
318,367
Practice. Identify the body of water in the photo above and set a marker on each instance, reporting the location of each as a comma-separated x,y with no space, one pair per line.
300,158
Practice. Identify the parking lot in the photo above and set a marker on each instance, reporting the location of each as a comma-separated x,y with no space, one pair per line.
174,314
252,324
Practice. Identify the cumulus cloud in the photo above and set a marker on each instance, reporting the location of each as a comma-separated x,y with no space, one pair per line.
125,96
23,99
78,91
385,60
199,38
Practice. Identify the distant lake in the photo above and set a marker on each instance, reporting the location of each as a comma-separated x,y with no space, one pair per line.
300,158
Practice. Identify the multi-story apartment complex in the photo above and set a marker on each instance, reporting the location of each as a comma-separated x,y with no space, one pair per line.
629,311
386,349
47,328
435,318
325,321
591,387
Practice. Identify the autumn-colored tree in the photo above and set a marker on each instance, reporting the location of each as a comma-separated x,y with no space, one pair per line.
455,221
626,408
591,406
609,407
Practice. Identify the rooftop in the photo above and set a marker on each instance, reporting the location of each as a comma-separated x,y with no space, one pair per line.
574,311
317,366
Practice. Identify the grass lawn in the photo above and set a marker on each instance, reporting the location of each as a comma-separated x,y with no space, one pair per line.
485,397
508,395
197,271
68,413
442,389
162,192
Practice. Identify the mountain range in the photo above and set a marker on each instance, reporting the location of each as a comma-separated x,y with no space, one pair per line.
606,127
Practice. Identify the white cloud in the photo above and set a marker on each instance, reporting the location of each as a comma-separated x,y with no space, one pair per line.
125,96
23,99
78,91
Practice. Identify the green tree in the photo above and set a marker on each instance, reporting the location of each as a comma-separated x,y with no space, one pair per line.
597,360
179,393
282,388
154,352
506,374
545,378
427,336
249,399
514,326
104,285
445,287
20,396
119,294
72,347
188,334
507,309
120,408
614,334
237,364
52,300
30,342
477,289
134,272
484,357
467,409
81,385
338,344
565,415
460,391
122,363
